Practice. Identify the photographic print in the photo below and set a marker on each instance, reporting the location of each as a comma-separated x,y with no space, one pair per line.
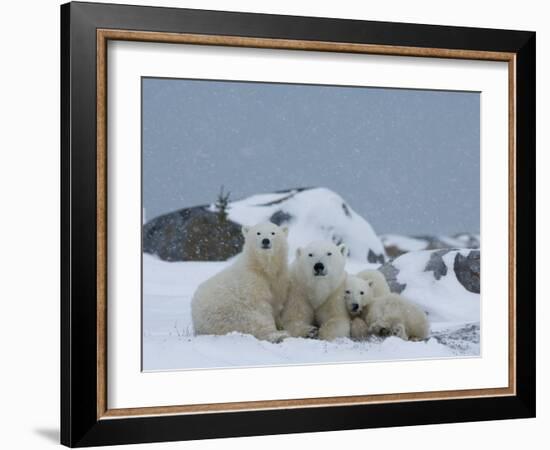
308,224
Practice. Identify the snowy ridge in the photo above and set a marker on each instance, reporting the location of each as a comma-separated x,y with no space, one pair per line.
404,243
396,244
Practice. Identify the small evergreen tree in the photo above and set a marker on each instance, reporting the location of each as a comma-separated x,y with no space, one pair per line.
222,205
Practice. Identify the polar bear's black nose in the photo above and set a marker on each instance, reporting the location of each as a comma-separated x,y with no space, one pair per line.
319,267
354,306
265,241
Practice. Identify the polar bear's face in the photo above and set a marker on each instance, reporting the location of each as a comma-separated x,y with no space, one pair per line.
265,237
357,294
322,259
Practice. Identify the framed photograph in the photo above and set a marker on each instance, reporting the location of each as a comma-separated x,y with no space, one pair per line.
277,224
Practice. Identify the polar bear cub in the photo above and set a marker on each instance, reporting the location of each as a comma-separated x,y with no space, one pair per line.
358,295
397,316
377,282
317,279
248,296
385,314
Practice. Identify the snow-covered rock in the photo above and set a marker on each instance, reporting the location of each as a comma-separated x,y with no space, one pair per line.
312,214
435,280
197,234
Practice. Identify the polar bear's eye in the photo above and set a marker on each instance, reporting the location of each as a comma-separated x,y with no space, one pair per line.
348,292
311,255
273,233
361,292
258,233
329,254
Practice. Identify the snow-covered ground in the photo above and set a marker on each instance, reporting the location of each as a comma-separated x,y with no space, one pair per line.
169,342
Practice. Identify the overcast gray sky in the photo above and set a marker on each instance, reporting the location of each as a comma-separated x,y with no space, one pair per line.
407,160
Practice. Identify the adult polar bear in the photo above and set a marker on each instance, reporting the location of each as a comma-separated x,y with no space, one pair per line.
247,296
317,279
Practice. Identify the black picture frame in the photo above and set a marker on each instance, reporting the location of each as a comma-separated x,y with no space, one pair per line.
80,425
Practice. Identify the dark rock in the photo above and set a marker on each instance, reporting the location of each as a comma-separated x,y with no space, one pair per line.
375,258
280,217
295,190
436,264
337,240
346,210
393,251
467,270
278,201
390,272
291,193
192,234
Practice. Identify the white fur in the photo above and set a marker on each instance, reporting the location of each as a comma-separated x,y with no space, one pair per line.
248,296
314,295
383,315
394,315
378,282
357,296
358,329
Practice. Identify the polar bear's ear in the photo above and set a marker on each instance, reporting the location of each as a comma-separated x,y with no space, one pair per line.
298,252
244,230
343,249
285,230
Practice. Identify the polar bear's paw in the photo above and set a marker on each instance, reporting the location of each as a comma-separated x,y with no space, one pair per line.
302,330
335,328
400,331
277,337
359,329
308,331
313,333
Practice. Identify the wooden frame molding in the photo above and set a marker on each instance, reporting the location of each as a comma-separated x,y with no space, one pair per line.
103,36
